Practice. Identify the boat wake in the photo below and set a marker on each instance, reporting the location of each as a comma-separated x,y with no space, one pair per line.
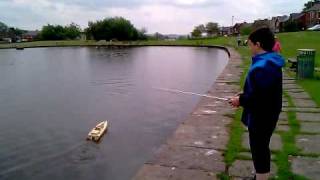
80,153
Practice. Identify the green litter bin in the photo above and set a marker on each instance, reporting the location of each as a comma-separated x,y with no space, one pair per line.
305,63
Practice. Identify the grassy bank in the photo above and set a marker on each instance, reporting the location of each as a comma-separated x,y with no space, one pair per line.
48,44
312,86
293,41
212,41
300,40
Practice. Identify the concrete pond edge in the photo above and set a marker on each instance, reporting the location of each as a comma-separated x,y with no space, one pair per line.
196,148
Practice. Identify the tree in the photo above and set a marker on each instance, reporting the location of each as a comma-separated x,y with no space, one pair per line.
113,28
201,28
143,30
17,31
72,31
51,32
245,30
3,27
291,26
142,34
198,30
212,28
158,36
10,32
58,32
309,4
196,33
3,30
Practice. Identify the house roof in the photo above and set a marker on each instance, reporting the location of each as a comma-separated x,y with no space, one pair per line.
247,24
316,7
295,16
283,18
31,33
261,21
225,28
237,25
244,24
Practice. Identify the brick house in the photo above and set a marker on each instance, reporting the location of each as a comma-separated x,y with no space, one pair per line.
300,19
225,31
277,23
236,29
260,23
30,35
313,15
282,22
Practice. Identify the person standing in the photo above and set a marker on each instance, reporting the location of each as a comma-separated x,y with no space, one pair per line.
277,45
239,39
261,98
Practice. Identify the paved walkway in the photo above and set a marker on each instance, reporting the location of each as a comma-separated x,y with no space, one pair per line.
308,139
306,162
195,150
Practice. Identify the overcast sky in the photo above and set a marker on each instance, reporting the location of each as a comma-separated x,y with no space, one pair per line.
164,16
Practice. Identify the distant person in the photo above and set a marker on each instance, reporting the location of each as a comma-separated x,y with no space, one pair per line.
245,43
261,98
277,45
239,39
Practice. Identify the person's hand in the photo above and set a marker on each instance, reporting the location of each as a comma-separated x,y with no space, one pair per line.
234,101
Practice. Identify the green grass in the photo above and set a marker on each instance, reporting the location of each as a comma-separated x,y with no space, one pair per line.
234,146
224,41
312,86
236,127
234,143
223,176
288,138
290,43
300,40
289,147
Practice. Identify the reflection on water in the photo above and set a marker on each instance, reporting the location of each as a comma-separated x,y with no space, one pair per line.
51,97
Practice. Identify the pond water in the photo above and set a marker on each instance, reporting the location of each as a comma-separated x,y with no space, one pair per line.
50,98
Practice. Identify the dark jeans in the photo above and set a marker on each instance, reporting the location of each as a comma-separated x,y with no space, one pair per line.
259,137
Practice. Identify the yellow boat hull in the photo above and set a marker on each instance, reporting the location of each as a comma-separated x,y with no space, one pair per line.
97,132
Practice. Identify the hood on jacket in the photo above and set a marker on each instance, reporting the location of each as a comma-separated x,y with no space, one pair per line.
262,59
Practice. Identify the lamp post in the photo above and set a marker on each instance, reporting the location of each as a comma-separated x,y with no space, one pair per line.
232,21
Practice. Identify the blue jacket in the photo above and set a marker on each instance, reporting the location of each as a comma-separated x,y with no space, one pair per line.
262,95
